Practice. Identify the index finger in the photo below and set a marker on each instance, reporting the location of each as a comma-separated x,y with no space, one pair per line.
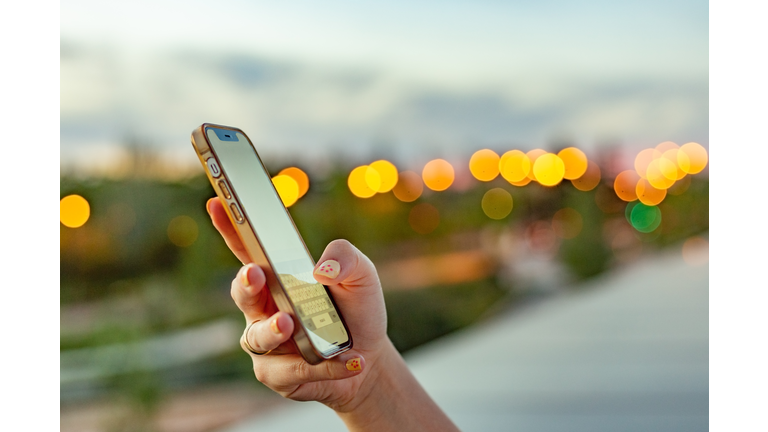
224,226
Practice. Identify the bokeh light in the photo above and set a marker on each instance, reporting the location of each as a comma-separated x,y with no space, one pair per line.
696,251
549,169
182,231
514,166
301,178
645,218
497,203
74,211
372,178
484,165
649,195
663,147
438,175
590,179
681,164
287,188
625,185
424,218
575,162
532,156
358,184
409,186
656,177
387,175
642,160
697,157
567,223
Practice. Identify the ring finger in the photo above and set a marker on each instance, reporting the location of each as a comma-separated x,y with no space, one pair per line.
267,335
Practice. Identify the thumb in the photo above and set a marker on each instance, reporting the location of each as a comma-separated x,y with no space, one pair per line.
343,264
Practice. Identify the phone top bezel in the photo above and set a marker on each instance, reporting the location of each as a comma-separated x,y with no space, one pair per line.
340,348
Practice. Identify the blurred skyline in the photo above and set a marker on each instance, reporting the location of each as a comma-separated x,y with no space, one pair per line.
351,82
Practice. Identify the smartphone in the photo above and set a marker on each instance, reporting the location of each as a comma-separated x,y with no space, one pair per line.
268,233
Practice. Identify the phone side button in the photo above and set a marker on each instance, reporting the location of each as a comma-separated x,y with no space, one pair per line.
213,167
224,189
238,215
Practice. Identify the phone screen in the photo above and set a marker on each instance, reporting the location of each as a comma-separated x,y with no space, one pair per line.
279,239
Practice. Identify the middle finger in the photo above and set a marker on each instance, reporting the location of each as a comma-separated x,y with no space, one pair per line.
251,295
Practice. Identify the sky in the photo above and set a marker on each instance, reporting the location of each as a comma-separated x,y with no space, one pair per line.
406,80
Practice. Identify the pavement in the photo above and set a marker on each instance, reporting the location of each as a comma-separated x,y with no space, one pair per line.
628,351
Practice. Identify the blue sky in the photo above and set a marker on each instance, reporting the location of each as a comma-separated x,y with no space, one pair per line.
426,77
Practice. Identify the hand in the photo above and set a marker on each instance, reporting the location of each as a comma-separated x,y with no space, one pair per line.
357,292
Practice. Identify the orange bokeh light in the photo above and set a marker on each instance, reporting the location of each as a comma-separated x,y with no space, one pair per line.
484,165
409,186
642,160
575,162
663,147
301,178
590,179
438,175
649,195
625,185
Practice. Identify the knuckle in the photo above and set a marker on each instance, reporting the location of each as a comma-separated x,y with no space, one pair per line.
259,371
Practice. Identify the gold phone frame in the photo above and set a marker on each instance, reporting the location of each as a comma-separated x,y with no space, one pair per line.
253,246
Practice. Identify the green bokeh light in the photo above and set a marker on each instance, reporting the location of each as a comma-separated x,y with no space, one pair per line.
644,218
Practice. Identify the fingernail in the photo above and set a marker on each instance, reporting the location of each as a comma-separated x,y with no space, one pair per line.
354,364
329,269
273,325
208,206
244,281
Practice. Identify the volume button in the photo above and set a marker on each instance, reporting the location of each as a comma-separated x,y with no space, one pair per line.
236,213
224,189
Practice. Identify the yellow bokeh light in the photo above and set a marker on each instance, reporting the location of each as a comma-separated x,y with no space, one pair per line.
567,223
438,175
649,195
697,157
287,188
575,162
522,182
549,169
358,182
182,231
642,160
409,186
590,179
387,174
74,211
514,166
669,160
656,177
372,178
484,165
497,203
625,185
532,156
300,176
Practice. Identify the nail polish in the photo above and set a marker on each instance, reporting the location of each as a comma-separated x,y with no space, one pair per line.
273,325
354,364
244,281
329,269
